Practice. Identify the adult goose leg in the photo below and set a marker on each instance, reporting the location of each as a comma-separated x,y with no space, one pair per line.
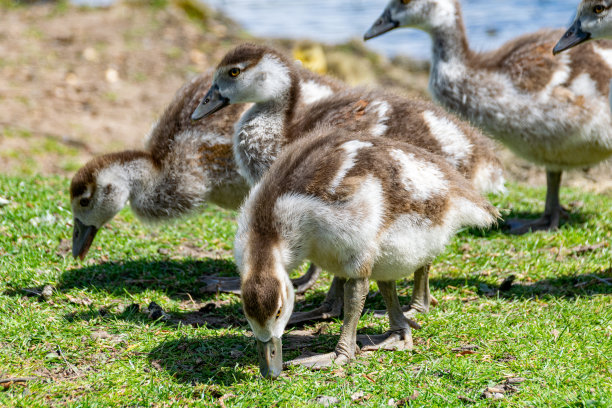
355,292
552,211
214,284
399,336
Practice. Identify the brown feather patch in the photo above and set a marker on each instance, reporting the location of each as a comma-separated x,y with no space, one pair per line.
260,295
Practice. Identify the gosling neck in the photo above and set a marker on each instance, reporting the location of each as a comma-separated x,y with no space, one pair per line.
155,194
263,130
449,40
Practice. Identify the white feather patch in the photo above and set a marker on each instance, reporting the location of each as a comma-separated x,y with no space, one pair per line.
382,110
422,179
455,145
489,178
605,54
340,238
351,149
312,92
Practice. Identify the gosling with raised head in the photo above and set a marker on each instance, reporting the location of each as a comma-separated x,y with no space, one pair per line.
552,111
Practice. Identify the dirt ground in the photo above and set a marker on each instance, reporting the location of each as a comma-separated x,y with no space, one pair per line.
77,82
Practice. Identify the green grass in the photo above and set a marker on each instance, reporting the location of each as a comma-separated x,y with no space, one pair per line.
553,327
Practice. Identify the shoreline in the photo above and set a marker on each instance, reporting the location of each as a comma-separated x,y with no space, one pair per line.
71,88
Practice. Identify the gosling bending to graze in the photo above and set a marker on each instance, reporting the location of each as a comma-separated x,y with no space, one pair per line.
261,75
362,207
552,111
185,165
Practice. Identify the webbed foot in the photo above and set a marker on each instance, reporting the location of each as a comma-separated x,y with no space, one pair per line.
319,361
553,211
328,310
306,281
519,226
397,340
215,284
410,313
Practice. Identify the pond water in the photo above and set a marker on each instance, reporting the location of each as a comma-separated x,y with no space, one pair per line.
489,23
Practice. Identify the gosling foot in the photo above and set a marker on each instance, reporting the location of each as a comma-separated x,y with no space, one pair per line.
553,211
328,310
410,313
393,340
319,361
306,281
215,284
548,222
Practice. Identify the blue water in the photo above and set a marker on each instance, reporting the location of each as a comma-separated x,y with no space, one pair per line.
489,23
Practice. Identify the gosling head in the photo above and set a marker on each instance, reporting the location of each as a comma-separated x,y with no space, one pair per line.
268,298
98,191
423,14
593,21
247,74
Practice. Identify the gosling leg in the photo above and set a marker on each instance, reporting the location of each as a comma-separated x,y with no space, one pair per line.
553,212
399,336
355,292
421,298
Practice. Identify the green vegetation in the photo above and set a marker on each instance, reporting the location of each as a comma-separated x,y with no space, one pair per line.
91,343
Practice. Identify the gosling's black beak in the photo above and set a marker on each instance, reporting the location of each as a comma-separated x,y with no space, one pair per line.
82,237
571,38
270,355
382,25
212,102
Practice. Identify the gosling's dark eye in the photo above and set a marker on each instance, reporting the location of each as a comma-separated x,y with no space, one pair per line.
234,72
598,9
84,202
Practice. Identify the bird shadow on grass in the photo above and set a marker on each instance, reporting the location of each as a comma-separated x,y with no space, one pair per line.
176,278
215,359
205,359
587,284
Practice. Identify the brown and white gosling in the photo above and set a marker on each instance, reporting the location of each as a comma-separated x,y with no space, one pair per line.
185,165
363,208
261,75
552,111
